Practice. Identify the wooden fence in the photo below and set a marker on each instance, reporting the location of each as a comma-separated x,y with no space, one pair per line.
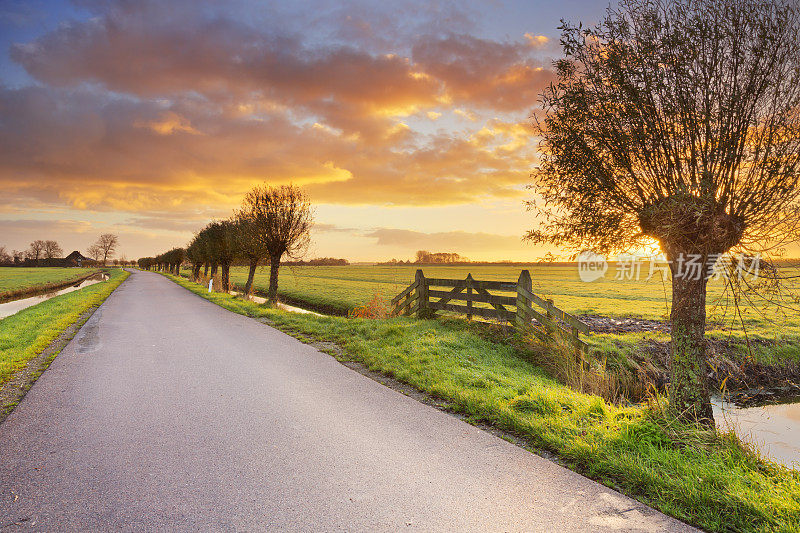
423,300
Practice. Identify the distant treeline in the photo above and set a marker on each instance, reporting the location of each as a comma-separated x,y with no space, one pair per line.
320,261
424,257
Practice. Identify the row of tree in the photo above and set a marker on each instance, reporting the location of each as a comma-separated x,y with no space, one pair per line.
272,223
38,249
424,256
46,250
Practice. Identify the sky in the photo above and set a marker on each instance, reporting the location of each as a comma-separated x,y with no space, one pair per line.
407,123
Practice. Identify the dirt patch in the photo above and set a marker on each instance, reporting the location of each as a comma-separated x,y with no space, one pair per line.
607,324
12,391
741,377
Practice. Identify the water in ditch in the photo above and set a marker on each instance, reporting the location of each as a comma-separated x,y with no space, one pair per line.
15,306
774,428
285,307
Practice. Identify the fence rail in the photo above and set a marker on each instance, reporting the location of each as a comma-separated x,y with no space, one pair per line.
423,301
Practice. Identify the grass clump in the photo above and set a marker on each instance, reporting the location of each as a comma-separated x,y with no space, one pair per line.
25,334
693,474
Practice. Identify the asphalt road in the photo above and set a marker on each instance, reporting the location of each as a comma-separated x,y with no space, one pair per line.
167,412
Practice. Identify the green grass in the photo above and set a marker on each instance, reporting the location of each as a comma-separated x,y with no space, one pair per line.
700,477
25,334
19,279
339,289
344,287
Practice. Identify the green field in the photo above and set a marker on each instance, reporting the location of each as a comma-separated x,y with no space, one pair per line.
21,280
25,334
764,334
699,476
342,288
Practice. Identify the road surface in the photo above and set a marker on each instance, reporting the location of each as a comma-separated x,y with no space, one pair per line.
167,412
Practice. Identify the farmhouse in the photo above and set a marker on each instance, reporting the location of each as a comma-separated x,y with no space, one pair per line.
75,259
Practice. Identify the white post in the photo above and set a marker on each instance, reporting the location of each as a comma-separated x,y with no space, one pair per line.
210,284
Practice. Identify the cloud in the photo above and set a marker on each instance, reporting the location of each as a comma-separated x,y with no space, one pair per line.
151,107
536,41
73,148
332,228
490,74
450,241
34,225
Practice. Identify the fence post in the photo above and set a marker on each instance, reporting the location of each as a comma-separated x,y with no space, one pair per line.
469,296
422,294
549,326
524,281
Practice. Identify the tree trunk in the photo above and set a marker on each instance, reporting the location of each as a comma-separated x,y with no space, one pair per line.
689,397
196,271
226,277
214,267
205,270
250,275
274,265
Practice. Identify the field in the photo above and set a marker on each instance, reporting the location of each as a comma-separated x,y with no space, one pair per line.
756,344
18,281
341,288
698,476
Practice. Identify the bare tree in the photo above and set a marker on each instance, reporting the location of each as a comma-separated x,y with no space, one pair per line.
281,219
35,250
95,252
52,250
107,244
678,121
5,257
221,237
248,245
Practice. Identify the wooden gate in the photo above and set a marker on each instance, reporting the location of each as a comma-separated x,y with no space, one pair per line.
425,296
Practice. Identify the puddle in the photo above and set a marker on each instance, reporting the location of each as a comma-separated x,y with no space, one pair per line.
15,306
774,429
293,309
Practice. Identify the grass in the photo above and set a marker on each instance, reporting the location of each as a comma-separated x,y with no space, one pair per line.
342,288
698,476
773,332
25,334
18,281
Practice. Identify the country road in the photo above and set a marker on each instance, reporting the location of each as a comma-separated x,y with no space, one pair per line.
167,412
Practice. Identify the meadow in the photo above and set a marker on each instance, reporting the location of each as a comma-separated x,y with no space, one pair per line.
18,281
705,478
339,289
755,344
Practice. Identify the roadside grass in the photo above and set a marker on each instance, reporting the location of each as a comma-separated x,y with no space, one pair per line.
771,339
25,334
704,478
18,281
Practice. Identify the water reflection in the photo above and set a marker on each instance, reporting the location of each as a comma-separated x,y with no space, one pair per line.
15,306
293,309
773,429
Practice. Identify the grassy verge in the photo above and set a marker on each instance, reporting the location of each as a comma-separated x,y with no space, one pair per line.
701,477
16,282
767,355
25,334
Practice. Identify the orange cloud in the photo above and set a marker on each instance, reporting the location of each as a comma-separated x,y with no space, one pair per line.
146,108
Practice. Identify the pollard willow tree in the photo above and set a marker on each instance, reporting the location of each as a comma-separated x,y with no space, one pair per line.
278,221
677,121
